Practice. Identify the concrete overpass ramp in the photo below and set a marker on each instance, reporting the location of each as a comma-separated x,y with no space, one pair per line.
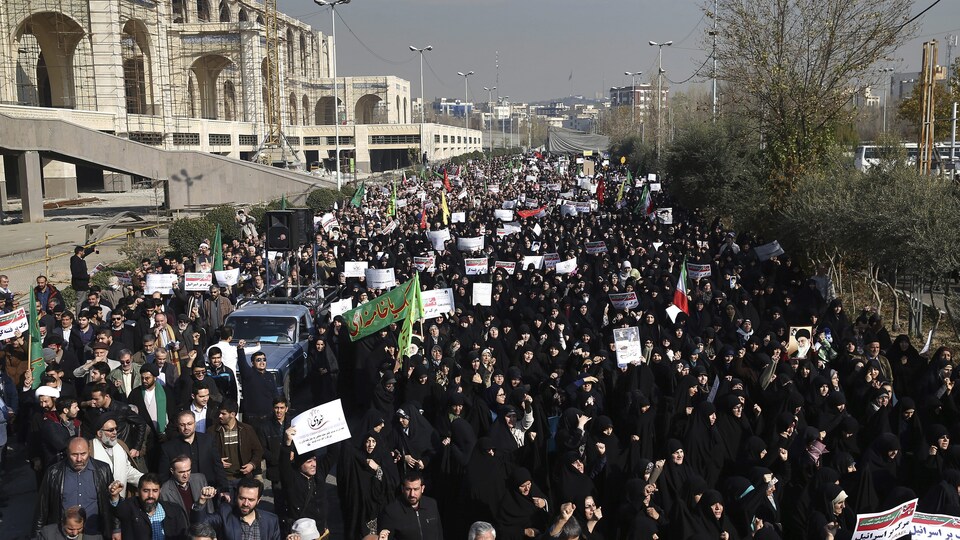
192,178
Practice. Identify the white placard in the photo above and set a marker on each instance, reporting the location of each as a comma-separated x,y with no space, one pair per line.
425,264
532,260
627,300
475,267
503,215
13,322
510,267
340,307
458,217
596,247
228,277
651,177
629,348
655,186
550,260
380,278
567,267
482,294
568,210
355,268
672,312
328,221
320,426
162,283
437,302
665,215
401,203
894,523
656,246
197,281
470,244
438,238
697,271
509,205
537,230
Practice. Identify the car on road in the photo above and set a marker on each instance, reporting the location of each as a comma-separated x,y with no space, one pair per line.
283,333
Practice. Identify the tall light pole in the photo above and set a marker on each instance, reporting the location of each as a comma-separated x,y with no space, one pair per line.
716,10
333,52
490,104
422,103
633,96
886,94
503,124
660,72
466,115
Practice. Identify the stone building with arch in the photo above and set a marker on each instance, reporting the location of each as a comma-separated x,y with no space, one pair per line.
190,74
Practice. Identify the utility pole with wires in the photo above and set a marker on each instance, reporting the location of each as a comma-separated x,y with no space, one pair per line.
928,74
716,9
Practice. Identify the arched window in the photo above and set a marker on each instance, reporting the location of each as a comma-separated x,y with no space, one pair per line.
242,16
303,54
224,12
203,10
290,58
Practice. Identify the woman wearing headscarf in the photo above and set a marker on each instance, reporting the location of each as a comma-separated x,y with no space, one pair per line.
712,521
366,483
449,469
523,511
830,511
702,444
414,439
573,485
905,362
638,517
323,371
676,473
882,461
943,498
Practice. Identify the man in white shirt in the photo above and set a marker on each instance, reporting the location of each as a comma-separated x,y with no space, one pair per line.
201,396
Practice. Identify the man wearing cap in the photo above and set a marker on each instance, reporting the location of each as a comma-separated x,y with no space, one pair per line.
167,337
125,377
303,477
107,448
305,529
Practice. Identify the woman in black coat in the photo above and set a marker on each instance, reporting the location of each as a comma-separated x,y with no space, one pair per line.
523,510
366,483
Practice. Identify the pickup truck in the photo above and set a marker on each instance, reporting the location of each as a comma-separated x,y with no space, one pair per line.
283,332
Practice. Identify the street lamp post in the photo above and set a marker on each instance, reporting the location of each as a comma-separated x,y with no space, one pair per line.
466,116
422,104
886,94
503,124
333,52
633,97
660,72
490,104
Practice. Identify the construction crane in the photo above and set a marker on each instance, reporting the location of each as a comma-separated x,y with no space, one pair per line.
274,146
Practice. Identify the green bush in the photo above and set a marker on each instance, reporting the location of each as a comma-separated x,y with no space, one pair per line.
186,235
321,200
226,217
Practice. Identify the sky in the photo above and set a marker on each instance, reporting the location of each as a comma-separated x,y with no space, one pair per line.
547,48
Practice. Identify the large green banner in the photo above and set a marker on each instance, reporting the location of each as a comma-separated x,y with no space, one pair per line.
383,310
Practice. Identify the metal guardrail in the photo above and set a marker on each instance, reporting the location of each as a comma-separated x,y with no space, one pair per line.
47,257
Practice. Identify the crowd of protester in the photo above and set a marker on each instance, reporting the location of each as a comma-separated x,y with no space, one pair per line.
766,410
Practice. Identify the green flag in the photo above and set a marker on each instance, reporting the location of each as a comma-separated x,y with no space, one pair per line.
625,182
416,312
218,251
392,207
37,365
384,309
357,199
283,202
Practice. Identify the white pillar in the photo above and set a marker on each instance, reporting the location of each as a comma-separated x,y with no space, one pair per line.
31,188
59,179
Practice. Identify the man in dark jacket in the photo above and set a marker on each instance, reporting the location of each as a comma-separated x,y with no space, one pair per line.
303,478
412,516
231,520
202,449
57,428
78,480
135,517
79,275
259,386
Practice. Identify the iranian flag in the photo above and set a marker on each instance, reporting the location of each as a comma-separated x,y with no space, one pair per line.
646,202
680,294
